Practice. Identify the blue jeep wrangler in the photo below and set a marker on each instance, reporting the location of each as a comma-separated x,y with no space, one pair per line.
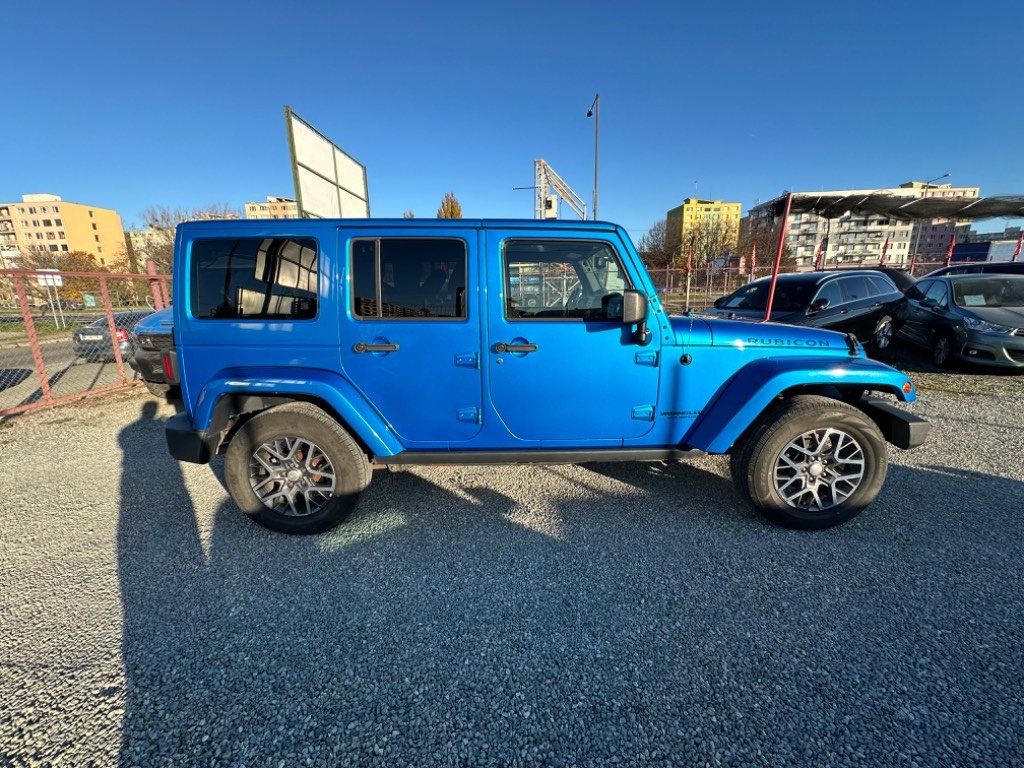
311,352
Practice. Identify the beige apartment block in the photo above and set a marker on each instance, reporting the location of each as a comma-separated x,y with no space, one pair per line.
44,223
855,239
274,208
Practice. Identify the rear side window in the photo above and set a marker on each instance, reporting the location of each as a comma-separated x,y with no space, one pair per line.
409,277
856,288
254,278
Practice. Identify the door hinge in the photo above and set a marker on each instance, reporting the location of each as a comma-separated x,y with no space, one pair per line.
467,360
468,415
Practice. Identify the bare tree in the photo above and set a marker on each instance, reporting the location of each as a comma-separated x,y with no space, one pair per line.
766,238
709,240
654,248
450,207
409,215
155,240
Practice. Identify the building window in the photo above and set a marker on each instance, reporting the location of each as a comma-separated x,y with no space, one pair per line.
58,223
99,250
63,247
53,247
90,214
96,238
94,226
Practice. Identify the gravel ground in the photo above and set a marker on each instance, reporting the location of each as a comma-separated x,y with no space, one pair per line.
600,615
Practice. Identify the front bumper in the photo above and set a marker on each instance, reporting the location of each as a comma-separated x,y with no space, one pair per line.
902,429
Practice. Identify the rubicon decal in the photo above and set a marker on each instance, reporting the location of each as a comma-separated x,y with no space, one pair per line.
788,342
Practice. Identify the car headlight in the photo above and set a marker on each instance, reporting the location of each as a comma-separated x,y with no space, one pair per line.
985,327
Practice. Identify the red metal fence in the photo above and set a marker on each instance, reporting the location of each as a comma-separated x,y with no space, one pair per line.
708,283
41,362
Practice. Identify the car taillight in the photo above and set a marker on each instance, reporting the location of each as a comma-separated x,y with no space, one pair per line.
170,367
122,335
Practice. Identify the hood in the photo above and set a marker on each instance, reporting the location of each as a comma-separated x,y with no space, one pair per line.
757,315
1012,317
745,334
161,321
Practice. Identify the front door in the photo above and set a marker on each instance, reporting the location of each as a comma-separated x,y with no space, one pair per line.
411,333
562,366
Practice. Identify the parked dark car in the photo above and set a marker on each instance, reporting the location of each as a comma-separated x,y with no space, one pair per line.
62,304
979,267
150,338
862,302
93,341
979,318
901,277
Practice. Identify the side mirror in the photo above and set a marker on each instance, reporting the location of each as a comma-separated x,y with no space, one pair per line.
719,301
819,304
634,312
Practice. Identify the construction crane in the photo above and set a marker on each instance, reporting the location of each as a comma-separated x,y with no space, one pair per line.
550,187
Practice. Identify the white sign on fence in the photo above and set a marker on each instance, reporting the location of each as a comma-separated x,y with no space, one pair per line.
52,279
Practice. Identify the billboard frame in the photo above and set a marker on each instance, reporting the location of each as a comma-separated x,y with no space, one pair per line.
341,182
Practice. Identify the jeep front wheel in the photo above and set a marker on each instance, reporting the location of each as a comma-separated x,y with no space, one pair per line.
811,463
294,469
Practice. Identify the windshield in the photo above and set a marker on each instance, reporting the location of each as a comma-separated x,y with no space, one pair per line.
989,292
791,297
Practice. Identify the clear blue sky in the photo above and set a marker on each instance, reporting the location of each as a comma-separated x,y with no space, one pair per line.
127,105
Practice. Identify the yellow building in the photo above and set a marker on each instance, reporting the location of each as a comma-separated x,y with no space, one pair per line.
704,222
44,223
274,208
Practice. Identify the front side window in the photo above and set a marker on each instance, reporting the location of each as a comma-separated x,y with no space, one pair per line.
254,278
552,279
409,277
831,292
937,293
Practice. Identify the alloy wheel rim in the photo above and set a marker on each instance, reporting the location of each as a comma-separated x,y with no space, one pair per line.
819,470
292,476
883,336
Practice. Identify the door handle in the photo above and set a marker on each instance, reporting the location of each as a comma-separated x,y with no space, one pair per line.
501,346
362,346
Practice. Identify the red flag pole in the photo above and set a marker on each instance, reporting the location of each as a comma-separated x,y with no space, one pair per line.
949,250
753,262
1020,242
885,247
778,256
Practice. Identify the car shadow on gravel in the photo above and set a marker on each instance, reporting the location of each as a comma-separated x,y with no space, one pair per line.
587,614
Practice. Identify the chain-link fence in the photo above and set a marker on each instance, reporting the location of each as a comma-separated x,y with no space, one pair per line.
66,335
698,290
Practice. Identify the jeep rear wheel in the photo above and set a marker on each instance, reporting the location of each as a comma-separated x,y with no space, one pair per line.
811,463
294,469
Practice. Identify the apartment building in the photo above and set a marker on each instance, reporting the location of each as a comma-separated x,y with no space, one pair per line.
274,208
45,223
851,239
704,220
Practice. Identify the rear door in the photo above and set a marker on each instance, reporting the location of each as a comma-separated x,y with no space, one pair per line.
411,331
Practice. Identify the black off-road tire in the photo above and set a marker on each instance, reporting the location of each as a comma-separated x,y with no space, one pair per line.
791,465
294,469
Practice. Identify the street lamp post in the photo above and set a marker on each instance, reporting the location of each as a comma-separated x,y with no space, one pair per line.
595,112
